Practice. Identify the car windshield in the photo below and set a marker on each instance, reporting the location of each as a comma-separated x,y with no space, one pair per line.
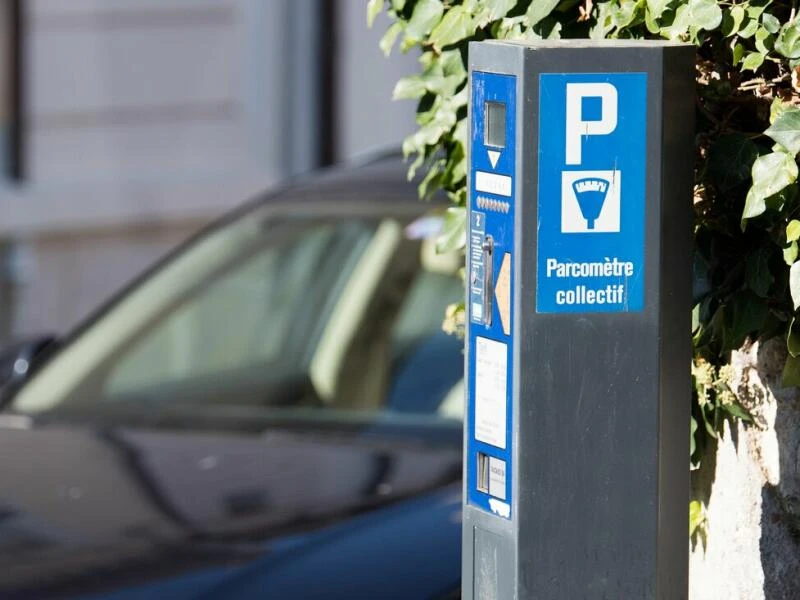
326,315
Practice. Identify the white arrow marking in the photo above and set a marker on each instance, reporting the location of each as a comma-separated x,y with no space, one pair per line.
494,155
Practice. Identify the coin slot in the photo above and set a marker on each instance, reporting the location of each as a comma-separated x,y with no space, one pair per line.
488,277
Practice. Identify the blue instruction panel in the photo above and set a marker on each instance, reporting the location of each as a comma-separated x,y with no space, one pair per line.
591,203
490,256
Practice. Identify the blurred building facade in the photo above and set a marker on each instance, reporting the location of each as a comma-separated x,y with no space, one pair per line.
128,124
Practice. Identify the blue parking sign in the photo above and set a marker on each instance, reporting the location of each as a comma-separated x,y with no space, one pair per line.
591,192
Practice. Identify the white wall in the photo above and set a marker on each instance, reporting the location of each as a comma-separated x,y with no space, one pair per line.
6,50
133,90
368,119
148,118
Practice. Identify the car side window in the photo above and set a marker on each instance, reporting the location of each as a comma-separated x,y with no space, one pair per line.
427,363
250,314
322,316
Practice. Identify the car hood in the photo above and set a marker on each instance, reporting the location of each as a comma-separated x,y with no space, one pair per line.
128,512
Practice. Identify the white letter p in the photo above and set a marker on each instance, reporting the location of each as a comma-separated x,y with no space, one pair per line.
577,127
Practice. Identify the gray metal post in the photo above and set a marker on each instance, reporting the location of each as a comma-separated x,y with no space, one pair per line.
578,347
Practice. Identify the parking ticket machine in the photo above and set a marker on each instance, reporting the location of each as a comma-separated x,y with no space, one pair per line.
576,478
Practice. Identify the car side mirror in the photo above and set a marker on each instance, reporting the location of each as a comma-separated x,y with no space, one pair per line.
21,357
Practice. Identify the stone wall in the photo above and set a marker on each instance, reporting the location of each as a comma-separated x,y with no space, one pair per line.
751,485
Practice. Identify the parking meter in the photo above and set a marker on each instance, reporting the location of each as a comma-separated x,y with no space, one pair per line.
578,308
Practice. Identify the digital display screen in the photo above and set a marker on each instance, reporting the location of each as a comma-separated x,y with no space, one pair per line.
495,130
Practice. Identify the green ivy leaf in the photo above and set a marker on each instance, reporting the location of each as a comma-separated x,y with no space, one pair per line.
460,133
695,318
754,205
680,24
737,410
738,53
710,425
793,231
777,108
389,38
705,14
409,87
539,9
651,23
793,338
459,169
460,99
759,278
730,160
791,372
493,11
454,230
432,180
794,284
749,29
744,313
433,80
763,41
374,8
550,29
426,15
732,19
695,515
770,22
756,7
452,64
786,129
788,41
771,173
429,134
790,254
752,61
782,199
456,25
657,7
624,14
604,21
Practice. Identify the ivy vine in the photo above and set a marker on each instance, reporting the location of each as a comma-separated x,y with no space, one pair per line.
746,207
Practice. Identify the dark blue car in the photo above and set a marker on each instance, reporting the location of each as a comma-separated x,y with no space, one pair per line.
271,412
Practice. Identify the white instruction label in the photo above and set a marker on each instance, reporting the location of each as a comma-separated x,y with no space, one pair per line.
491,369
